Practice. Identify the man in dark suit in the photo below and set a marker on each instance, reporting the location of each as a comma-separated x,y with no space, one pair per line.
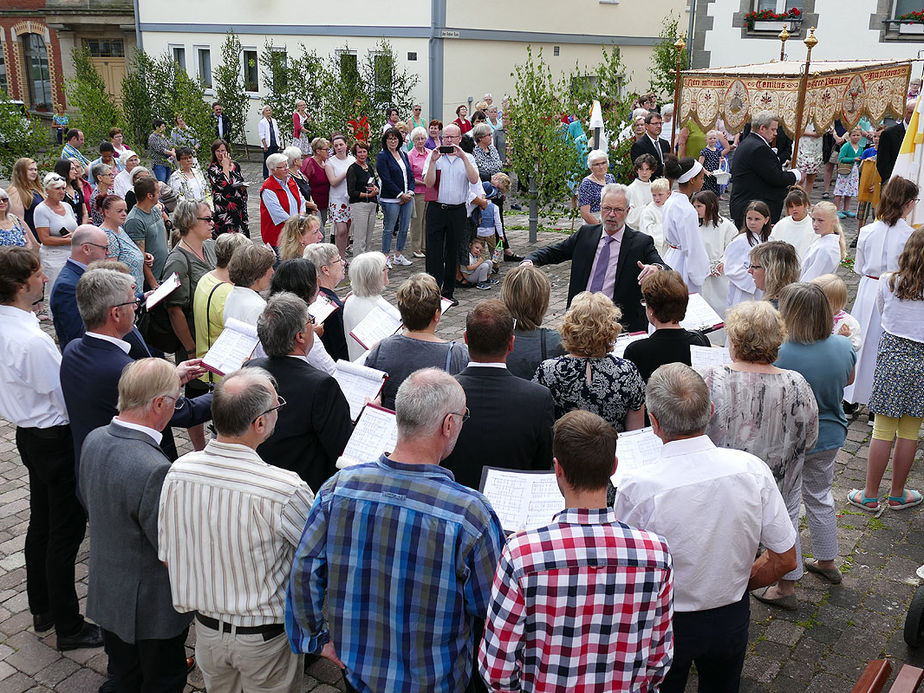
222,123
890,142
91,365
607,257
757,174
88,244
313,428
511,418
120,480
652,143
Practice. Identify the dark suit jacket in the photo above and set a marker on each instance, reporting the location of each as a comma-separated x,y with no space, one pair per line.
757,175
333,338
313,428
225,125
510,425
63,301
645,146
120,481
890,142
90,372
581,248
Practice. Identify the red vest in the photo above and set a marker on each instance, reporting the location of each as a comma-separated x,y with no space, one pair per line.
268,230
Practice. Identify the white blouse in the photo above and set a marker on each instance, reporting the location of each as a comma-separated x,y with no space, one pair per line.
686,253
799,234
823,257
741,285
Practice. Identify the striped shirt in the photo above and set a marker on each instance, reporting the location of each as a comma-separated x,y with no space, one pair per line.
405,557
227,529
581,605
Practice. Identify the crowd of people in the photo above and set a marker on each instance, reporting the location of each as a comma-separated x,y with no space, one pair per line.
397,569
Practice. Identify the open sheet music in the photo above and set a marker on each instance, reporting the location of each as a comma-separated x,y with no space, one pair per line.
619,349
322,308
701,316
635,449
234,345
522,499
704,357
376,433
359,384
381,322
167,287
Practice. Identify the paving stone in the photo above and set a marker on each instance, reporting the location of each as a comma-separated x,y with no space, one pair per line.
81,681
784,633
760,668
56,672
31,655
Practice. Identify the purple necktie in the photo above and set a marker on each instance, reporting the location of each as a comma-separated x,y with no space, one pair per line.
596,284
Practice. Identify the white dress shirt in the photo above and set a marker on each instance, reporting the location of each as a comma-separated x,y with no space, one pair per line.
453,178
714,506
121,343
899,317
30,364
243,304
147,430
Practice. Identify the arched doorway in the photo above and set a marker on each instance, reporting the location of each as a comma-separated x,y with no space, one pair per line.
38,93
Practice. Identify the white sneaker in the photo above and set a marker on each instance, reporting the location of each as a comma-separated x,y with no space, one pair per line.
388,262
403,261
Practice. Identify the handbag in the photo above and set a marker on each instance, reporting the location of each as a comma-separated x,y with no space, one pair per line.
844,169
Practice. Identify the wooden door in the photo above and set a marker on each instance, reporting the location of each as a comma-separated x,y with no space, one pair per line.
112,71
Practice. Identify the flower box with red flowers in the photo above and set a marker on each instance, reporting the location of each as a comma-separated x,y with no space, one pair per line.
911,23
768,20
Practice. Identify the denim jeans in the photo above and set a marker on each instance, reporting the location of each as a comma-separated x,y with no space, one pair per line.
161,173
392,211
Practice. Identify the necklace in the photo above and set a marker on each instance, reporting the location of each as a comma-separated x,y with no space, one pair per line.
198,253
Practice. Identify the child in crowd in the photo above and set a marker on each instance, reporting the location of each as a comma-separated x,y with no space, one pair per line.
478,269
639,195
717,233
650,222
870,183
796,227
844,323
737,263
848,174
489,227
711,157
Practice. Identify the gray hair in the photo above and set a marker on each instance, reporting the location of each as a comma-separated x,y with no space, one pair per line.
595,155
291,154
418,131
283,318
137,172
226,244
611,188
639,113
480,131
367,273
763,119
99,290
667,110
145,380
678,397
320,254
273,160
240,398
424,399
100,169
53,180
186,214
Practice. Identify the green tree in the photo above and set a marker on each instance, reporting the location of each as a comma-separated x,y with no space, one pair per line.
96,110
664,58
189,101
279,82
22,135
229,87
344,96
386,82
136,103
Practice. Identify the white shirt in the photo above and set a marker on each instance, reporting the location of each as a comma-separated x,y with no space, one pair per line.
30,364
650,223
453,178
121,343
122,183
714,506
243,304
741,285
486,364
154,434
227,529
686,253
823,257
271,202
639,195
264,129
338,193
355,308
799,234
901,318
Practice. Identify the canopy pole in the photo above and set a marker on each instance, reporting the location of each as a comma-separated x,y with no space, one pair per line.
810,43
679,44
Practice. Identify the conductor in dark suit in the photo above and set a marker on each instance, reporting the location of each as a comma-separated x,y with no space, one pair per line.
511,418
222,123
92,365
652,143
313,428
120,480
890,143
608,257
756,173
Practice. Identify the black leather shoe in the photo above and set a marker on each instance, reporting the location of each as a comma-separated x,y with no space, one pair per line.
513,258
87,637
42,622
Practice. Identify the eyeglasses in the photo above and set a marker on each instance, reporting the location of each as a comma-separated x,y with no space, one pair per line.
209,218
614,210
753,267
466,415
97,245
177,404
281,404
136,302
311,320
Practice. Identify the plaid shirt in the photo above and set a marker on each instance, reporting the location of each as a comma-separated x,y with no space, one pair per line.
584,604
405,557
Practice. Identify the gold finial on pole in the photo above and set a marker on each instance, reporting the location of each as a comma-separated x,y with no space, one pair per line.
810,42
784,35
679,44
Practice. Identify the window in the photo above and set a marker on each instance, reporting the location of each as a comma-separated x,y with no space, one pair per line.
38,79
382,65
411,56
204,63
3,84
779,6
349,71
251,70
179,56
905,6
106,48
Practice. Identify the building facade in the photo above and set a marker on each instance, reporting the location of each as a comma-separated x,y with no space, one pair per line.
460,51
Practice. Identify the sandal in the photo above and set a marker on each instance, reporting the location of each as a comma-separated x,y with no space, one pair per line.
852,498
900,502
832,575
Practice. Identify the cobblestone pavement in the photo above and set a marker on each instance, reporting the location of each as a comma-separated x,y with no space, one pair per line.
821,646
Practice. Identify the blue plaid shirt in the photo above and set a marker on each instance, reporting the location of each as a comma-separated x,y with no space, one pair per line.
406,557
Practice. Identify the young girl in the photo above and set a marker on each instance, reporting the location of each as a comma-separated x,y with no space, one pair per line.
795,228
639,194
478,269
848,182
711,157
650,222
828,249
844,323
717,233
737,262
870,183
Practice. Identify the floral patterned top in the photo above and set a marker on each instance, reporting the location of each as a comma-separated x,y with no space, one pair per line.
124,249
229,198
191,186
610,387
773,416
14,236
589,192
488,162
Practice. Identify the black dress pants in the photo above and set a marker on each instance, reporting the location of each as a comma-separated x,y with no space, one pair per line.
147,666
445,234
57,524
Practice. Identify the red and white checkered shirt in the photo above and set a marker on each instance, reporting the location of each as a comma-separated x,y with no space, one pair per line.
584,604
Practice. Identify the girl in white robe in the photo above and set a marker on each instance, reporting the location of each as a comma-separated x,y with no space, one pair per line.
686,253
826,253
795,228
737,261
717,232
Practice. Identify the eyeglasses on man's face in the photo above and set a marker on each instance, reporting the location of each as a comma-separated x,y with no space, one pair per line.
136,303
466,415
281,404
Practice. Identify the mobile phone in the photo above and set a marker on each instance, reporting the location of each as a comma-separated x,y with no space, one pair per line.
446,149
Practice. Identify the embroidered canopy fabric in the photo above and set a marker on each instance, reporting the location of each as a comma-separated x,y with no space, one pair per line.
842,90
